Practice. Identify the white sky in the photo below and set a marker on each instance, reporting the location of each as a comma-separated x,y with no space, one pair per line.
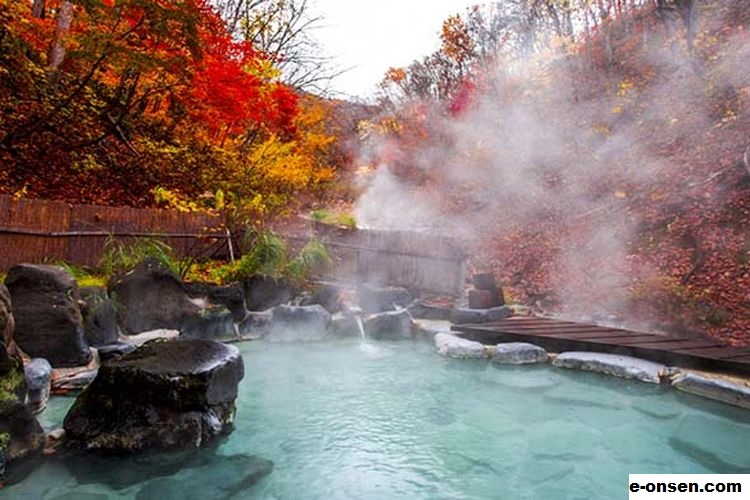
370,36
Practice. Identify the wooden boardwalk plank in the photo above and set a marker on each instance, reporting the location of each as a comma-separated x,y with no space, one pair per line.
560,336
717,352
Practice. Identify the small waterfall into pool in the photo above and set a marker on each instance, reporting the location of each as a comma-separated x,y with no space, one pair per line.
361,326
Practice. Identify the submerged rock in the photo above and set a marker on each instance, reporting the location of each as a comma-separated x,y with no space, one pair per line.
612,364
374,300
713,387
389,325
223,477
48,320
38,374
290,323
163,395
452,346
518,353
150,297
99,317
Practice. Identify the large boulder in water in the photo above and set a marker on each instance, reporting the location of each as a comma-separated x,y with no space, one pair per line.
150,297
164,395
389,325
48,319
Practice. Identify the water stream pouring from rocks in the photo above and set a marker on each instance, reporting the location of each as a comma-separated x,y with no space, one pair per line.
361,327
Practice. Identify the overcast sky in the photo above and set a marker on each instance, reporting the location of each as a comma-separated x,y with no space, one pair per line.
369,36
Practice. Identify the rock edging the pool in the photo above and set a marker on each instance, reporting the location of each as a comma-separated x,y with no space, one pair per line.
726,389
166,394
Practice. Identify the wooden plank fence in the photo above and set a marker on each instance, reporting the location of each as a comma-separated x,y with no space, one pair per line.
418,261
39,231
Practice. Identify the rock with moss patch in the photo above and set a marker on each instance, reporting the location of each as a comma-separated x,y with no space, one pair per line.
164,395
48,319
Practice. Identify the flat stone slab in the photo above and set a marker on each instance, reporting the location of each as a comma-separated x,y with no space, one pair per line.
612,364
518,353
452,346
713,387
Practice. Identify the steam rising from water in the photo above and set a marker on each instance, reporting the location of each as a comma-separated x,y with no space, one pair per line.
551,153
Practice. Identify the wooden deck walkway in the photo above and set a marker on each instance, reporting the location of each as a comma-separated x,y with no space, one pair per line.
560,336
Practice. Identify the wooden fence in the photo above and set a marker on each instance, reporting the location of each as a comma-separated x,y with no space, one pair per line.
39,231
418,261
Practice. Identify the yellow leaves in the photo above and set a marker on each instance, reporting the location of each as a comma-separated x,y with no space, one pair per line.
625,87
173,200
619,194
617,109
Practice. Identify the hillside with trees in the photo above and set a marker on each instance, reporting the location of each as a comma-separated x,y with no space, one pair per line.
593,152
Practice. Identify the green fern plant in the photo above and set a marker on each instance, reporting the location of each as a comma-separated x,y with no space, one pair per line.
121,257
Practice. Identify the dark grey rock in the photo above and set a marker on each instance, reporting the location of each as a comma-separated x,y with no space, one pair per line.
518,353
484,281
461,316
290,323
264,292
99,317
327,295
25,435
344,325
453,346
221,478
389,325
164,395
48,319
498,313
612,364
150,297
713,387
231,296
374,300
420,310
256,325
113,351
38,372
210,323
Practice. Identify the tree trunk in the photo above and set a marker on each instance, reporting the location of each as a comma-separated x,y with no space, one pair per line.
57,49
38,10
